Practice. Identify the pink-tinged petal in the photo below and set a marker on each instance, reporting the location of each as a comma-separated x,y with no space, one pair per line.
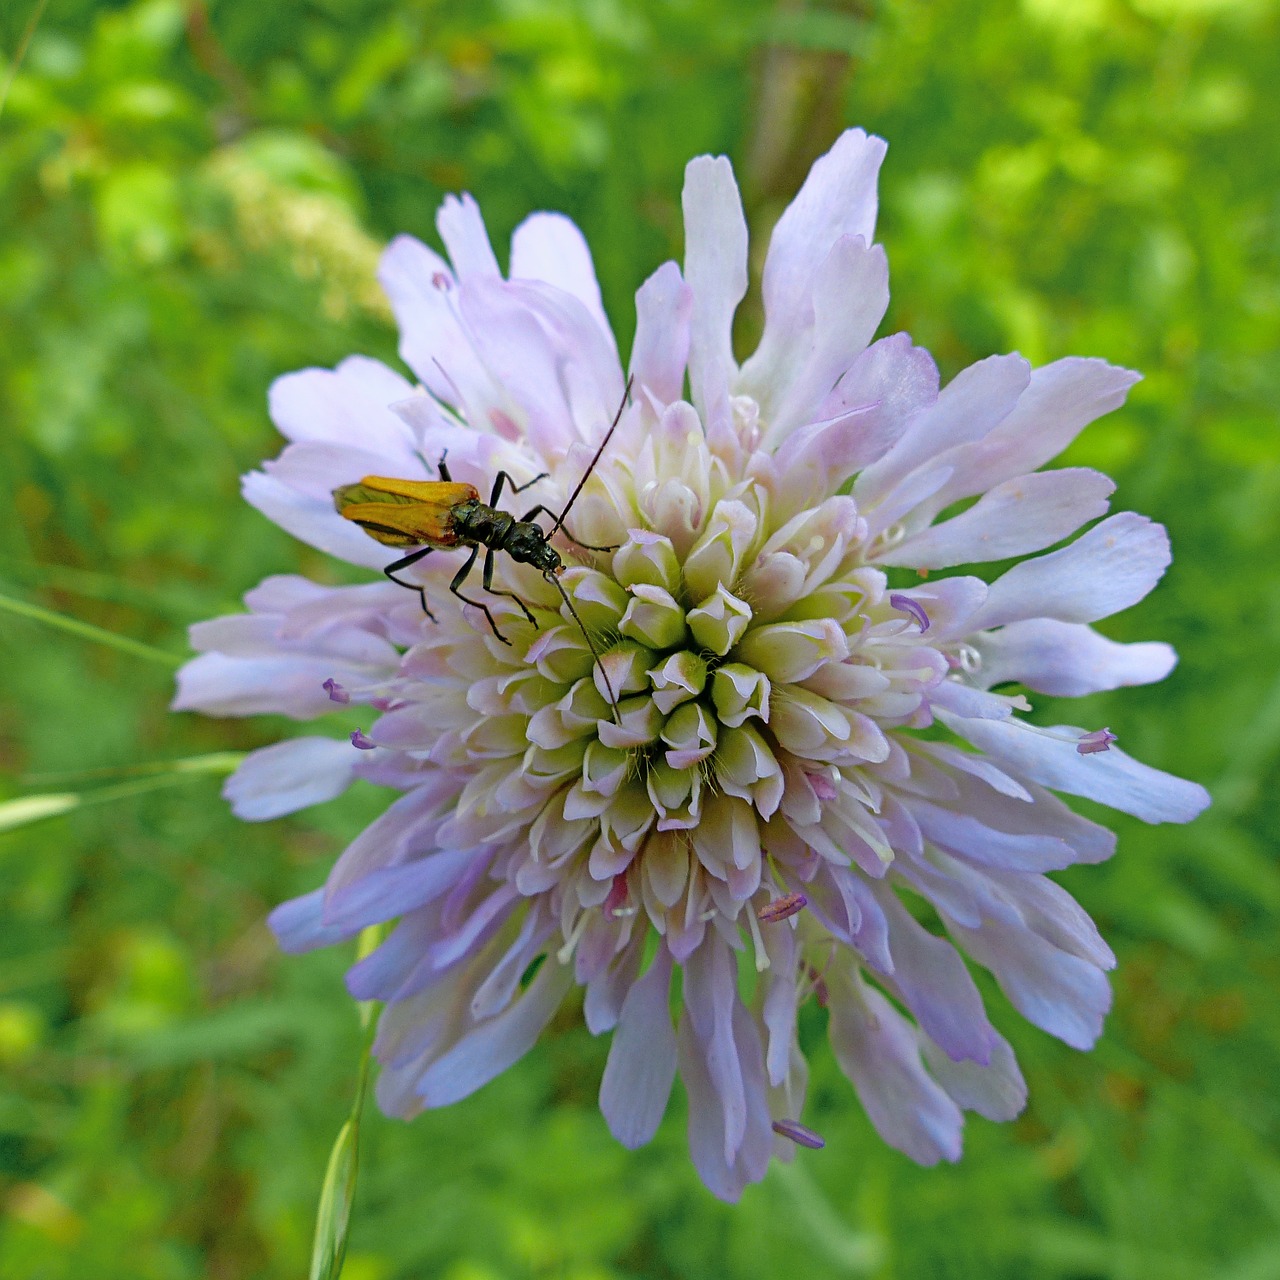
287,685
1105,570
781,1000
423,294
967,409
346,406
298,926
932,981
1061,399
850,297
1067,659
462,229
550,248
289,776
313,519
1014,519
1111,778
489,1048
606,993
1057,992
642,1058
711,994
877,1050
715,266
838,199
894,381
664,306
995,1090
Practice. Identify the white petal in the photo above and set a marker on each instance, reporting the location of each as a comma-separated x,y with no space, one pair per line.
290,775
664,304
1067,659
550,248
1107,569
715,266
642,1058
1110,777
1016,518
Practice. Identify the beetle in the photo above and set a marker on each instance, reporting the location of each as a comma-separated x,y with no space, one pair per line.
438,515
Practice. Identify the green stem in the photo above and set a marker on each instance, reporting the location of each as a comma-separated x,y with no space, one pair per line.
87,631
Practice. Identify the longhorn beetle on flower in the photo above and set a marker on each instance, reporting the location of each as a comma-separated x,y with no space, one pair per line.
437,515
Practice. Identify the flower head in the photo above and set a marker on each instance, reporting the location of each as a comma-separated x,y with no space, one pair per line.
763,800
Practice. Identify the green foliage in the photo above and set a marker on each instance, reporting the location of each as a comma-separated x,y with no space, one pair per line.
191,202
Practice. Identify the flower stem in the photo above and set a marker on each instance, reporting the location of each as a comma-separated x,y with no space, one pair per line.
87,631
333,1213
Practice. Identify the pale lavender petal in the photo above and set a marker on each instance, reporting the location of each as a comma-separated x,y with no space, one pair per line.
346,406
995,1090
550,248
715,266
462,229
422,291
312,518
932,981
838,199
708,1140
1061,399
1105,570
894,380
664,305
1111,778
1057,992
289,776
1067,659
489,1048
298,926
287,685
642,1058
966,409
850,296
877,1050
1022,515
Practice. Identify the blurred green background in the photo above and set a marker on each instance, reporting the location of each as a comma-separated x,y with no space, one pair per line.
192,199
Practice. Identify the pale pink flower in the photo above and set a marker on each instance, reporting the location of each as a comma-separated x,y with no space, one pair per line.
765,798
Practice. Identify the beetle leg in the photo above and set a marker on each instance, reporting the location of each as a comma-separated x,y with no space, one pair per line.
502,479
403,563
460,577
510,595
586,546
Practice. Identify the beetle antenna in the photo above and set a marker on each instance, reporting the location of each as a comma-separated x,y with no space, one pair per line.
595,653
586,475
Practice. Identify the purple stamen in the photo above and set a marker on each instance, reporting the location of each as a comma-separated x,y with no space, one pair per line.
335,691
905,604
800,1134
441,281
823,788
359,741
1098,740
782,908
